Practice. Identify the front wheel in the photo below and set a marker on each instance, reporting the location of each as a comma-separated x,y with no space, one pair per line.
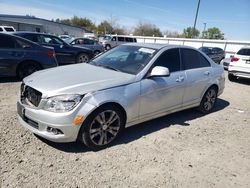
208,100
82,58
107,47
102,127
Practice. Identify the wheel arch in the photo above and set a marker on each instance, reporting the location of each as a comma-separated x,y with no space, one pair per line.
212,85
112,103
27,61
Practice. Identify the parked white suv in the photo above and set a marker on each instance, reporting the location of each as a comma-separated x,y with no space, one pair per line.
110,41
7,29
240,64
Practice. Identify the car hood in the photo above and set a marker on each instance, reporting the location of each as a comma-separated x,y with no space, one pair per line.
76,79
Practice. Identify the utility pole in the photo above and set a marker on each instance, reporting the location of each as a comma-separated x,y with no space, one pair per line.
197,11
205,25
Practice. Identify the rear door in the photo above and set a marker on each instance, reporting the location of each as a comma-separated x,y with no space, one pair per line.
11,53
162,94
198,71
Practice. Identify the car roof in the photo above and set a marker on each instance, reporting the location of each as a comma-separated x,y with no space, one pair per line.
157,46
30,32
20,38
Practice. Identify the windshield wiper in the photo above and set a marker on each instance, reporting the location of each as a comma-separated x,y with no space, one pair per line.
104,66
109,67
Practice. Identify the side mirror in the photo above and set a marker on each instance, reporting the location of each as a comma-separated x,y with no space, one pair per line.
231,56
159,71
61,46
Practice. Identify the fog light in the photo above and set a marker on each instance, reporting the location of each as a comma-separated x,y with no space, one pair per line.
54,131
78,120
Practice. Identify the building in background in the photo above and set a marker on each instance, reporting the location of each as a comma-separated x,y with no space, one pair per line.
31,23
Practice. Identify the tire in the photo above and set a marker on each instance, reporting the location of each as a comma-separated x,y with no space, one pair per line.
96,52
231,77
208,100
107,47
27,68
82,58
96,133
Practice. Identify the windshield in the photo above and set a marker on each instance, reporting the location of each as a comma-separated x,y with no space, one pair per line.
128,59
107,38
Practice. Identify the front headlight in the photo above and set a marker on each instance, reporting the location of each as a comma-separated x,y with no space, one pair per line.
62,103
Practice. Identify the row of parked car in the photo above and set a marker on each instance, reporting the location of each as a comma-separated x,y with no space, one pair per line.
23,53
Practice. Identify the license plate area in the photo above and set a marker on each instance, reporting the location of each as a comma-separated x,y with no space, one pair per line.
21,110
21,113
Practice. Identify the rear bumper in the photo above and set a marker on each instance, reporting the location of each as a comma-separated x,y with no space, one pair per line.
239,71
240,74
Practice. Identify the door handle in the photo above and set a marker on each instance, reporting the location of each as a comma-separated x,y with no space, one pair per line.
207,73
180,79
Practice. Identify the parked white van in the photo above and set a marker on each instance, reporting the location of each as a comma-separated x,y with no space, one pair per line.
110,41
6,29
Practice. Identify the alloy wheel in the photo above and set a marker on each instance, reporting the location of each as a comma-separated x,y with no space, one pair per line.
105,127
83,58
210,99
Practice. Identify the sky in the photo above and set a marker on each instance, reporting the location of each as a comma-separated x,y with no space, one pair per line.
232,17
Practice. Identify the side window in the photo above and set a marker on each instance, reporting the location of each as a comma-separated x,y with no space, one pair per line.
190,58
128,39
170,59
23,44
121,39
7,42
203,61
1,29
88,41
135,40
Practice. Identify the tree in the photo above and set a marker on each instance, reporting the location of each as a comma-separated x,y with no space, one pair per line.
146,29
190,32
104,28
79,22
173,34
213,33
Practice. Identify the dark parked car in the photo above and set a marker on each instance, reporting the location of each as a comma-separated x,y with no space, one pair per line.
88,43
21,57
65,53
216,54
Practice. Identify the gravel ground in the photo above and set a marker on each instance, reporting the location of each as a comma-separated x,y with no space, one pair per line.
185,149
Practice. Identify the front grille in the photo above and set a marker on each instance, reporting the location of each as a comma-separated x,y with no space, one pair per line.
30,96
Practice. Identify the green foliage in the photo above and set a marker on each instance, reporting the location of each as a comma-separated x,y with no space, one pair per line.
146,29
190,32
142,29
79,22
213,33
105,27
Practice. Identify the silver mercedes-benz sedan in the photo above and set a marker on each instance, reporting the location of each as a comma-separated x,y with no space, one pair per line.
127,85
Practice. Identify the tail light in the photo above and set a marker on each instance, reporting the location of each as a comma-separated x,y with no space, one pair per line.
234,59
50,53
